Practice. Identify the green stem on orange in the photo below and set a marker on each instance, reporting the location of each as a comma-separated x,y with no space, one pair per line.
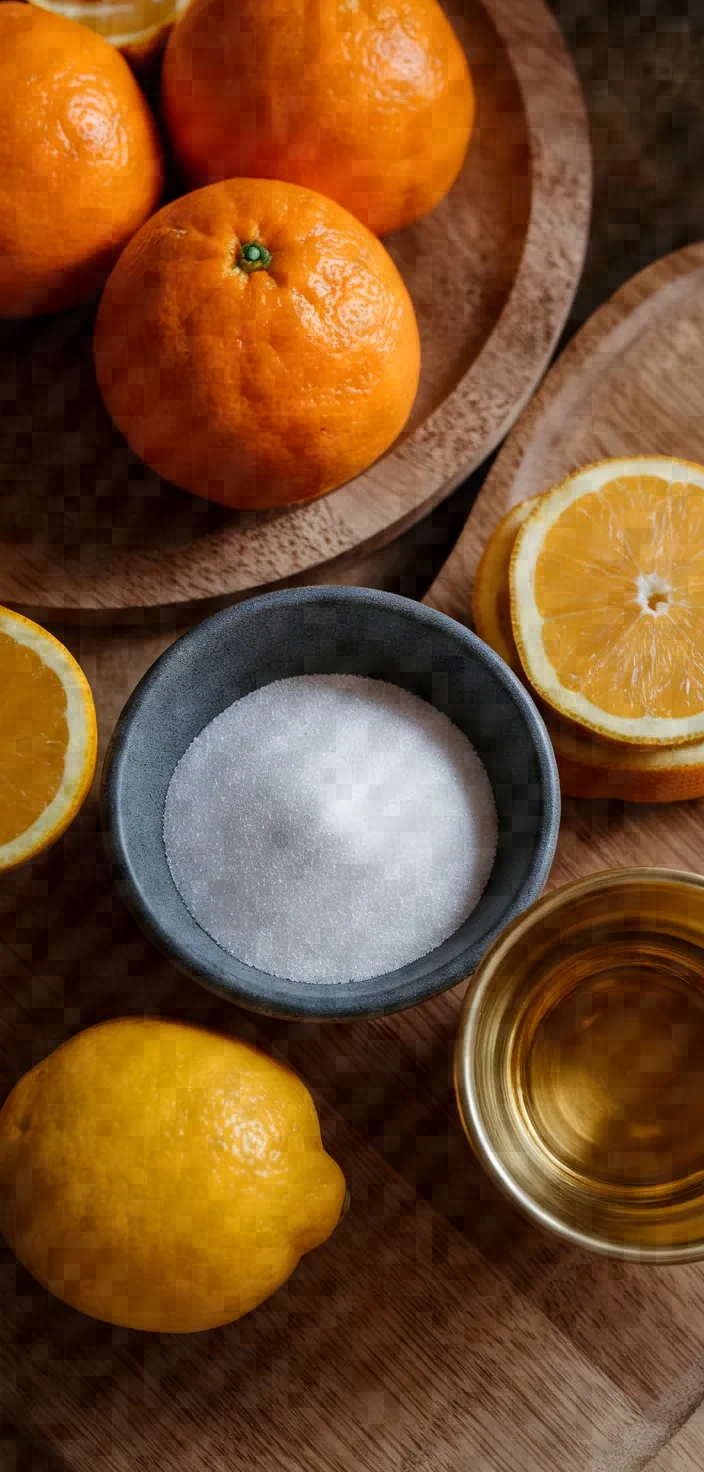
252,256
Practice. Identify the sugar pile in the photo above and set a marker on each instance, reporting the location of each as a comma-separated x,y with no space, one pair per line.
330,828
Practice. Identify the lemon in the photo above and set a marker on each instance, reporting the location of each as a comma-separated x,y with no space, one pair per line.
48,738
162,1176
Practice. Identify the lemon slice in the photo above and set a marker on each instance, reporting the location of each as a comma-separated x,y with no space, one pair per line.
135,27
589,766
48,738
607,599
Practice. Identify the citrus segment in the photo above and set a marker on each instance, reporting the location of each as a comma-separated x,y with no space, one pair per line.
589,766
607,599
48,738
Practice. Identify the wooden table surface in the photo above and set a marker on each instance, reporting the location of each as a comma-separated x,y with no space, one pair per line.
437,1331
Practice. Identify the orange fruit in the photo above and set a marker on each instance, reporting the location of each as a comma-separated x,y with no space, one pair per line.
256,344
80,160
370,104
607,599
48,738
589,766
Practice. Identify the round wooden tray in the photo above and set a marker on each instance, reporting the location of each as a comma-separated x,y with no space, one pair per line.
86,529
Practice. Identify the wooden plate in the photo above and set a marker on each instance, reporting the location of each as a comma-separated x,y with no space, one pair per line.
631,382
85,528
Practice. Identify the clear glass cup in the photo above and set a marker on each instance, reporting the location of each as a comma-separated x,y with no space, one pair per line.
579,1063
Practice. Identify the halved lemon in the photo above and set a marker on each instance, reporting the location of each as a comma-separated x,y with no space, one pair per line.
48,738
137,28
589,766
607,599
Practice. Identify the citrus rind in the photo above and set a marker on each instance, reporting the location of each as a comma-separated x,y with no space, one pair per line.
491,609
589,766
81,750
138,30
527,620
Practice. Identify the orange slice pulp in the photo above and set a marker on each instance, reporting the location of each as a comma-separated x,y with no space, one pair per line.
48,738
607,599
589,766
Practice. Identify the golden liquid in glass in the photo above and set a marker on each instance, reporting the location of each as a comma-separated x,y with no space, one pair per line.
610,1069
579,1064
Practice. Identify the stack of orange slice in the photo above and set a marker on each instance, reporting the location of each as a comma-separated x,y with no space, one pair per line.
594,595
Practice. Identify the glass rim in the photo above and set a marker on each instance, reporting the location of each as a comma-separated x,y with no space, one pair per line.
471,1117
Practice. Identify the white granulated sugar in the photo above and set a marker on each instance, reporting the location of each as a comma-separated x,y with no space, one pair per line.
329,828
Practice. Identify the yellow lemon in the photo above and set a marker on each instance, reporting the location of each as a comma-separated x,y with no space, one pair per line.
162,1176
48,738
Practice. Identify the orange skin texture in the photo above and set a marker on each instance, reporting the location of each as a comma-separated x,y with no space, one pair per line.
370,103
263,389
80,160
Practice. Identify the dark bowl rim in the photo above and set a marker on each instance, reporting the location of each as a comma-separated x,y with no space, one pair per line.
312,1001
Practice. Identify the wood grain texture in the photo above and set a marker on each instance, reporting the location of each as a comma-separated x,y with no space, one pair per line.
685,1453
84,526
437,1331
402,1344
631,381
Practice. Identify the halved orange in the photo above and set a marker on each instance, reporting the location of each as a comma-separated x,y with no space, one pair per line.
491,597
607,599
48,738
589,766
593,768
137,28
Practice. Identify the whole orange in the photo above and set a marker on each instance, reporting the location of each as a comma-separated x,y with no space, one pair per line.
370,104
256,344
80,160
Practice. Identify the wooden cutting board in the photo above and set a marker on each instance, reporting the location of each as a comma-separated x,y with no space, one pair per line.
86,528
437,1331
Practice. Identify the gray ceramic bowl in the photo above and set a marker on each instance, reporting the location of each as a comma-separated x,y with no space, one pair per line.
326,631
